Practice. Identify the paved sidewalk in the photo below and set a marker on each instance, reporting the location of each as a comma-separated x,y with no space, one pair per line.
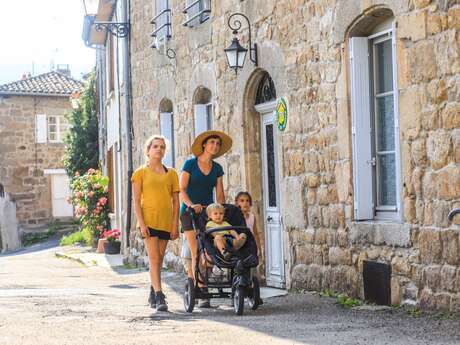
88,257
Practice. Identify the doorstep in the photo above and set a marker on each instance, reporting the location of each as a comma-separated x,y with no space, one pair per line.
87,257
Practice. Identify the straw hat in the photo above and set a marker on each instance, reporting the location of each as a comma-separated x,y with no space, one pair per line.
197,146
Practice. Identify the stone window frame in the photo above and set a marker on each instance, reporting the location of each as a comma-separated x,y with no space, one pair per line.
61,128
372,212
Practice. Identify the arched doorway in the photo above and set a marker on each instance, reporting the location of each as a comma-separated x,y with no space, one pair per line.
261,98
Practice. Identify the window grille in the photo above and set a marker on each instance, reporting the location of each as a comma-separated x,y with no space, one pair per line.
197,12
162,23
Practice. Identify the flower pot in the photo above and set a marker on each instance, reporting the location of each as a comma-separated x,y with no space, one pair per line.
112,247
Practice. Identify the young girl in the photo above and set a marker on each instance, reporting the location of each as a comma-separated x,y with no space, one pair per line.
156,204
244,201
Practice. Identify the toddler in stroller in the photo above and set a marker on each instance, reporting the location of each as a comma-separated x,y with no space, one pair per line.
238,284
227,241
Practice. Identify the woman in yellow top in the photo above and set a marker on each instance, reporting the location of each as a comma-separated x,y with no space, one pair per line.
156,204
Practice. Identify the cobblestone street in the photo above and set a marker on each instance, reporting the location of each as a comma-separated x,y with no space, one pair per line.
46,300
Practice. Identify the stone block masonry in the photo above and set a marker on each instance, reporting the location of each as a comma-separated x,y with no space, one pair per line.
303,45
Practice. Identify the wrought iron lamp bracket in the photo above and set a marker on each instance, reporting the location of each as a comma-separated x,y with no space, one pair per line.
235,25
116,29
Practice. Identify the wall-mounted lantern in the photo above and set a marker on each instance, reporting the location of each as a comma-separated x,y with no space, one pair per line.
236,54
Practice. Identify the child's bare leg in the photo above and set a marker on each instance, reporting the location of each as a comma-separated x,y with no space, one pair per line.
239,240
219,242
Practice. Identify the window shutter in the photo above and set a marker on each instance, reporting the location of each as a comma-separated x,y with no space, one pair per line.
167,130
40,128
201,118
209,116
361,128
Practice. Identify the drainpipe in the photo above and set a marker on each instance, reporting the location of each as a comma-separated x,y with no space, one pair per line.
127,111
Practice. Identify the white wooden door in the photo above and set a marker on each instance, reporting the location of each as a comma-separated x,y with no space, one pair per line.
274,257
60,191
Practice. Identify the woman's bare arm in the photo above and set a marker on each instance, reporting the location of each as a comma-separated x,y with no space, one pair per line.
220,195
175,222
137,192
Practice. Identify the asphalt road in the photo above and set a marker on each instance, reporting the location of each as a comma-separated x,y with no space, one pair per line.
46,300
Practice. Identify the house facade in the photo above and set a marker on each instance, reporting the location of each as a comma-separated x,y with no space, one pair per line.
32,127
354,193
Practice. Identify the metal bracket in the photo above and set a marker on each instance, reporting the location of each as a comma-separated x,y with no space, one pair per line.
116,29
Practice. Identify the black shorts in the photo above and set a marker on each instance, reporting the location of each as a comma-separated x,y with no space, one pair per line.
186,221
162,235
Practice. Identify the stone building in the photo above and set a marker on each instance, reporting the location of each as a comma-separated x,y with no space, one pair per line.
32,128
354,194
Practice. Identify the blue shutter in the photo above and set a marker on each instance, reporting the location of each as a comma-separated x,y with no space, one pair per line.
361,129
167,130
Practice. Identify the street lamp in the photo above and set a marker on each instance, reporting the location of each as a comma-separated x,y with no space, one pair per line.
236,54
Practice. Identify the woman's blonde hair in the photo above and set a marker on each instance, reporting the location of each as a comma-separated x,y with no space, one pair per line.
149,141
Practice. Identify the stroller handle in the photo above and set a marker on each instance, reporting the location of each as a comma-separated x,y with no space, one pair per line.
223,228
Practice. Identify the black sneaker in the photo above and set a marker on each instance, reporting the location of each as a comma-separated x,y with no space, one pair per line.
161,301
152,298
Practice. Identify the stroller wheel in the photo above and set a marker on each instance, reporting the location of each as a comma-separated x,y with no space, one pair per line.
254,298
238,301
189,295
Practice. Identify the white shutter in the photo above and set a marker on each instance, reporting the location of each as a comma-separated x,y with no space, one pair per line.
361,128
201,118
209,115
40,128
167,130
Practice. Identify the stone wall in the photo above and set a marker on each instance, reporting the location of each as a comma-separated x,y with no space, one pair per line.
23,160
303,46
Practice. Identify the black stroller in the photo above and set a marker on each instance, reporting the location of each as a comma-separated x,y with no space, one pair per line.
236,269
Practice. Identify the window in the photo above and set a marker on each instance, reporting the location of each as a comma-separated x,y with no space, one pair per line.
57,128
203,118
161,22
197,12
375,126
167,130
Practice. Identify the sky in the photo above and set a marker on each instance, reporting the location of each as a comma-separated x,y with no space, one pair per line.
37,34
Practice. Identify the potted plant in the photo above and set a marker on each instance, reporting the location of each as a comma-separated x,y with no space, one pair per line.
112,244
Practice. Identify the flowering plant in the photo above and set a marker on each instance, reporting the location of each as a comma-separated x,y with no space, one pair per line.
111,235
90,199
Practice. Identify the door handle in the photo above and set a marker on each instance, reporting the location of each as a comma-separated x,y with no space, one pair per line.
269,218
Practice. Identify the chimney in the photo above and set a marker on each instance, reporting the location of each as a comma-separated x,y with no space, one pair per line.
63,69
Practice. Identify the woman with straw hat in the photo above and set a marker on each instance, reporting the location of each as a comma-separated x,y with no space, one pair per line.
199,178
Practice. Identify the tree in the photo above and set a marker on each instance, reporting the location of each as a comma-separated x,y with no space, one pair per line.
82,145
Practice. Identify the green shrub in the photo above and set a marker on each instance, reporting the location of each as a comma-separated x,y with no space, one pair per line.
83,236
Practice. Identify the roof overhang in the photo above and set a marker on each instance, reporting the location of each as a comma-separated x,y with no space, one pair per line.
13,93
104,13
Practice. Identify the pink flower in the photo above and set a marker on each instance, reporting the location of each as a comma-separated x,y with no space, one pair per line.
91,171
103,200
97,186
77,173
99,227
90,194
78,194
69,200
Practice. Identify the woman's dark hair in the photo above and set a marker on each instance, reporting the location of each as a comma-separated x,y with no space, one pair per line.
205,140
240,194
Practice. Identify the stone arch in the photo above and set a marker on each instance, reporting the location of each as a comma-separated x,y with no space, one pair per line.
368,21
252,141
348,13
166,106
202,95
